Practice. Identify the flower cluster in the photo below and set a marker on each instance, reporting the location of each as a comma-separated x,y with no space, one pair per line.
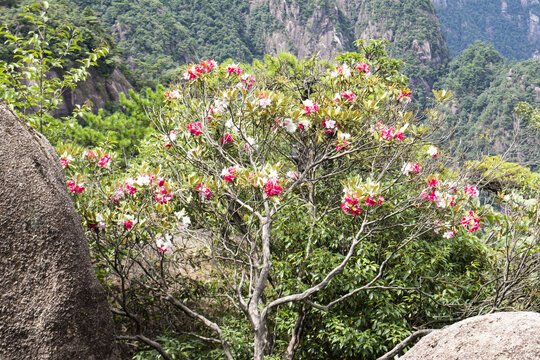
227,138
350,204
310,107
343,141
360,193
234,69
363,67
433,152
172,137
405,96
349,95
204,192
248,80
175,94
410,167
164,243
195,71
471,190
272,187
74,188
105,162
195,128
229,173
344,71
389,133
470,222
329,126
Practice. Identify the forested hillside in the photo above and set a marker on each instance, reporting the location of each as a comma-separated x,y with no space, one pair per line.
177,32
512,26
487,89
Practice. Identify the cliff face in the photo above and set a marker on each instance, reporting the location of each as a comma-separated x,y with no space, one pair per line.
512,26
330,26
97,88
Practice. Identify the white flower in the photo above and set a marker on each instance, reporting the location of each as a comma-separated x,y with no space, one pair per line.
273,174
164,243
143,180
220,105
304,122
289,125
330,124
344,136
443,199
172,135
308,103
186,221
448,234
250,144
406,168
337,97
432,151
264,102
293,175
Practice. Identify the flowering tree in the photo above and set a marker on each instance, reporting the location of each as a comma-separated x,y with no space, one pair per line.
287,178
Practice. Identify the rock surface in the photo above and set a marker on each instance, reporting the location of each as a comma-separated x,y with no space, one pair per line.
51,304
499,336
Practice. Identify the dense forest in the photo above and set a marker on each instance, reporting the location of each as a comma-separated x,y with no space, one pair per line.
242,203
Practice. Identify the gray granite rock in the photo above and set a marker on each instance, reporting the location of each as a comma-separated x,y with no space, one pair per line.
51,303
498,336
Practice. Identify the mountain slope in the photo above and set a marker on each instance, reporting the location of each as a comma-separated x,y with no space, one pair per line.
512,26
177,32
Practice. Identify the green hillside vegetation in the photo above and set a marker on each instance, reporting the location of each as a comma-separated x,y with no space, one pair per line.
488,88
464,22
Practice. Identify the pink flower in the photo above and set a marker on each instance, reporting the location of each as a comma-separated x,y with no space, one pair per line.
104,162
380,200
410,167
349,95
471,190
64,162
405,96
470,221
234,69
195,128
329,125
398,135
229,173
175,94
227,138
294,175
74,188
204,192
344,145
310,107
128,224
370,201
90,155
195,71
432,183
272,187
363,67
350,205
431,196
389,133
248,80
163,197
118,194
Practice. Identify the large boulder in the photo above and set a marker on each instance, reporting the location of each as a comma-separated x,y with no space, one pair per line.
498,336
51,303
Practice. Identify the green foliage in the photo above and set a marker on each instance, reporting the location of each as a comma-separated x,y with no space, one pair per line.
26,81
